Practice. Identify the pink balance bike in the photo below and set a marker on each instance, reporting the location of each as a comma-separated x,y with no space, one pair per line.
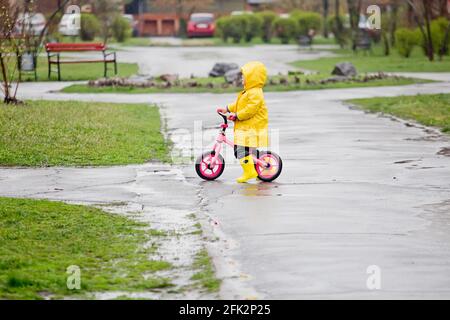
210,165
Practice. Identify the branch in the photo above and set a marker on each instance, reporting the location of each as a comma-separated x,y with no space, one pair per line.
50,19
416,18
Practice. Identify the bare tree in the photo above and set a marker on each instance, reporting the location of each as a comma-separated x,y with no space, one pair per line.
422,16
306,5
11,46
106,11
444,48
393,20
354,10
326,7
15,42
184,7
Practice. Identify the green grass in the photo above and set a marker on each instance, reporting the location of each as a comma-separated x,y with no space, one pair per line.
378,62
41,239
79,72
206,275
56,133
430,110
217,83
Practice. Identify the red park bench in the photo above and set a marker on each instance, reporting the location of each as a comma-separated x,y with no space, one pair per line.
54,55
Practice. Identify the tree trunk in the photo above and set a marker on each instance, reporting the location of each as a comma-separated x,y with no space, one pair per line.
326,6
354,10
444,49
5,82
444,8
386,44
393,25
429,44
419,23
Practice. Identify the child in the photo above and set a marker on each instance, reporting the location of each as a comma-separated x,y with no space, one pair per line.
251,118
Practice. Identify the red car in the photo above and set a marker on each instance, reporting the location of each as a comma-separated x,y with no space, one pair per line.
201,25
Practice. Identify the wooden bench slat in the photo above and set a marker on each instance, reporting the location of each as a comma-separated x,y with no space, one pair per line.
63,47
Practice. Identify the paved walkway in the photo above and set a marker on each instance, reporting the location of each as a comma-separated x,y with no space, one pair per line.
198,61
357,190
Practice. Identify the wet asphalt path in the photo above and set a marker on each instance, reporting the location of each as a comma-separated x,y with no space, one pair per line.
357,190
198,61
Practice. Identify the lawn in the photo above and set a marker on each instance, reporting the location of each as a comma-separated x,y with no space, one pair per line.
215,85
430,110
41,239
79,72
56,133
378,62
205,277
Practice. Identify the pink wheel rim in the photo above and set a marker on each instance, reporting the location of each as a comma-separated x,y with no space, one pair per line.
268,173
213,172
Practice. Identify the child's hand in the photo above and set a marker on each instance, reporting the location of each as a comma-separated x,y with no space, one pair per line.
222,110
232,117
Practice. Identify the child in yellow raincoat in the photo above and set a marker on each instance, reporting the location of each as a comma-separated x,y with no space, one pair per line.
251,118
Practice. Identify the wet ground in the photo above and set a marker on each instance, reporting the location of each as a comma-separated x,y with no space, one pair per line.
138,192
198,61
358,190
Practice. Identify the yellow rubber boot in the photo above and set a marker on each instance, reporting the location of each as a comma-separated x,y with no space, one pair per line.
249,169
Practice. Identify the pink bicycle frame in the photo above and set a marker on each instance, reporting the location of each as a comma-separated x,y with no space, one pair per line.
218,147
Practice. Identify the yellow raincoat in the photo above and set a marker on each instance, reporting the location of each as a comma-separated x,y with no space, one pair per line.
251,126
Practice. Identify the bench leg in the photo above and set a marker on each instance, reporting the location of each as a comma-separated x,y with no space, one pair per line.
115,67
59,68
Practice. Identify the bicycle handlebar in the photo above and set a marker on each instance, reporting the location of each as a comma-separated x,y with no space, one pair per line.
225,120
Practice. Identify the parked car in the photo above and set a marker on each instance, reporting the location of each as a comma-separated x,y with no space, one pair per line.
66,25
33,23
133,23
201,25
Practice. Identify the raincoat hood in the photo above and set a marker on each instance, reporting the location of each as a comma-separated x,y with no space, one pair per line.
255,74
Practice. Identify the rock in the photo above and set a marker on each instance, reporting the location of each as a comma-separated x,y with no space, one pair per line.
345,69
284,81
220,69
335,79
170,78
192,84
233,76
121,82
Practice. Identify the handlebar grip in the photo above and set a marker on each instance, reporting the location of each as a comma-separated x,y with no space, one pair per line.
225,120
